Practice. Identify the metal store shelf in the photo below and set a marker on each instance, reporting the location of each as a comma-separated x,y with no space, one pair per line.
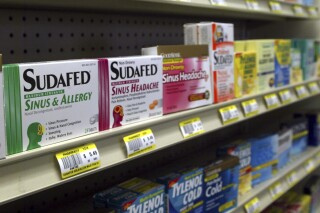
301,169
33,171
232,8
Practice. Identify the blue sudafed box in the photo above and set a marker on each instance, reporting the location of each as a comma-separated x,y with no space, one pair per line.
314,128
184,190
221,182
263,157
135,195
284,146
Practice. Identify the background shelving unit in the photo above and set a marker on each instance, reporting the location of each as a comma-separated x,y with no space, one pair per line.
53,30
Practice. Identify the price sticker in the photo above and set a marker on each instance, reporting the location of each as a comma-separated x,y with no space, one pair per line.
276,191
191,127
272,101
292,178
310,165
229,114
252,4
218,2
140,142
253,206
285,96
301,91
78,160
298,10
313,11
313,88
250,107
275,7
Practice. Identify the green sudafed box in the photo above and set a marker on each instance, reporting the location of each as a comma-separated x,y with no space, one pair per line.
49,102
133,196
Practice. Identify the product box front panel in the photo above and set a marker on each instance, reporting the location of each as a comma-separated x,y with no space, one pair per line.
44,102
249,85
221,181
186,76
295,68
306,47
282,62
135,89
184,191
220,37
285,143
238,74
265,62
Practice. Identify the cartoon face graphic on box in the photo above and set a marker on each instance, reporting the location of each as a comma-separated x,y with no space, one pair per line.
117,116
35,132
219,34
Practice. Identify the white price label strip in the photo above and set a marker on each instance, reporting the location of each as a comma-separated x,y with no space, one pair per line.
301,91
250,107
191,127
140,142
218,2
313,11
252,4
298,10
229,114
310,166
253,206
78,160
292,178
275,7
272,101
276,191
313,88
285,96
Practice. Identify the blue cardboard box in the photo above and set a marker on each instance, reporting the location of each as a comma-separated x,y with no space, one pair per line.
263,157
184,190
221,181
285,143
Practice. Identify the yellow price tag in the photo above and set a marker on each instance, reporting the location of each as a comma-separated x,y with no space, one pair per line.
309,165
191,127
276,190
253,206
292,178
229,114
301,91
250,107
140,142
313,88
285,96
78,160
298,10
252,4
272,101
275,7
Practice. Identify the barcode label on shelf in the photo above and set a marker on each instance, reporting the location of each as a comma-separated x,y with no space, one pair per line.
275,7
276,190
313,11
285,96
292,178
140,142
272,101
191,127
301,91
313,88
218,2
250,107
252,4
229,114
298,10
310,165
78,160
253,206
